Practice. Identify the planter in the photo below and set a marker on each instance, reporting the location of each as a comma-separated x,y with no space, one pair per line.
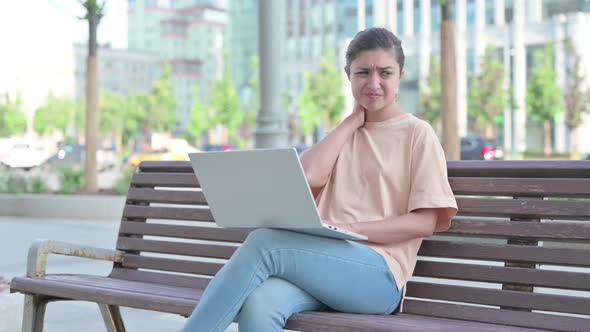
89,207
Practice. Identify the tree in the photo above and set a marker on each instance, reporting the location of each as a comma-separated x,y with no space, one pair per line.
543,96
225,104
430,95
487,97
253,104
577,102
93,16
319,102
201,119
13,120
162,102
448,78
56,114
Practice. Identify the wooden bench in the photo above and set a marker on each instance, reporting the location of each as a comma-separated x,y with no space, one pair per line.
504,265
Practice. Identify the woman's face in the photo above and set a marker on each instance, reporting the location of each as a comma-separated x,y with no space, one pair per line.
374,79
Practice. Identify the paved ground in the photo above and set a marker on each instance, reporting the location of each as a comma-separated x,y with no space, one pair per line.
17,234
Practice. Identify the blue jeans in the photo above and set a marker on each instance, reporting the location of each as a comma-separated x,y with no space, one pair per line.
277,273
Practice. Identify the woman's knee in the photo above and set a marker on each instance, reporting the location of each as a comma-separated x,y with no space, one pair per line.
261,236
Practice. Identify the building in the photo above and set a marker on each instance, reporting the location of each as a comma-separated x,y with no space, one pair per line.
517,29
189,35
119,71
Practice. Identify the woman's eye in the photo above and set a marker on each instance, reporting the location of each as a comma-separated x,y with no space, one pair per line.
362,72
387,73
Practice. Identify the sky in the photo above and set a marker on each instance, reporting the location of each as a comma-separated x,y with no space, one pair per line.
37,37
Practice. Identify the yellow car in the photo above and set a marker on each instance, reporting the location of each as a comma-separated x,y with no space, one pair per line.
163,154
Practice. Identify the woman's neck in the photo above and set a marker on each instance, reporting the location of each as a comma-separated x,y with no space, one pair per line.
383,114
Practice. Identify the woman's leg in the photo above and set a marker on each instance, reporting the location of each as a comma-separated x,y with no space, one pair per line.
269,306
344,275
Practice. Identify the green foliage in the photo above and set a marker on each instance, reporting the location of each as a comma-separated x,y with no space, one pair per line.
37,185
12,184
543,97
123,182
430,95
162,102
70,180
56,114
201,119
225,104
487,97
576,101
12,118
321,99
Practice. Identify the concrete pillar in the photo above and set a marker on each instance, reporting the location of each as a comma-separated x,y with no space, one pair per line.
460,32
479,42
271,123
408,18
499,15
561,63
392,15
425,39
379,13
535,10
519,76
361,15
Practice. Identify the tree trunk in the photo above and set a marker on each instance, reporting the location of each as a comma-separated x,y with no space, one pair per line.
119,144
490,131
448,77
92,118
574,151
547,129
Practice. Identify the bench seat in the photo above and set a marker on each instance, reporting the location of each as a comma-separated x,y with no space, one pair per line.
182,300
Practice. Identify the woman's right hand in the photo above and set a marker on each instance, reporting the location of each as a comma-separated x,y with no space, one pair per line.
358,115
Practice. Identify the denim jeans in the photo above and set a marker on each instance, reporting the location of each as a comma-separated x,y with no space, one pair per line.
276,273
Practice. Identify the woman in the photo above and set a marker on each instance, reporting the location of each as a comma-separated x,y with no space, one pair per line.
380,173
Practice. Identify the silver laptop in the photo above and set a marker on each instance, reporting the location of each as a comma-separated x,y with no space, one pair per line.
261,188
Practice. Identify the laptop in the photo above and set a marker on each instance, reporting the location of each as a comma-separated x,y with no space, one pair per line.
261,188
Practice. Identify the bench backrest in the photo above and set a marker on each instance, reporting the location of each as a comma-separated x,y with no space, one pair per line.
504,260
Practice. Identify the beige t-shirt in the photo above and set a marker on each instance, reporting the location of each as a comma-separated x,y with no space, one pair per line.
387,169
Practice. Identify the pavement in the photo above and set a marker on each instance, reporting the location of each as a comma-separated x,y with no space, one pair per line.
16,235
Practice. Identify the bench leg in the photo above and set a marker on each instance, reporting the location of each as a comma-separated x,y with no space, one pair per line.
112,317
34,313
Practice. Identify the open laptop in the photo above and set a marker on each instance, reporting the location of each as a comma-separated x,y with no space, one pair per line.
261,188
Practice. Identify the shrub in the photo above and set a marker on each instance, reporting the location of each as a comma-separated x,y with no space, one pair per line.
122,184
70,180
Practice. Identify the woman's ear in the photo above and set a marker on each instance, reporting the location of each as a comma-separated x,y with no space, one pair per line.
401,74
347,71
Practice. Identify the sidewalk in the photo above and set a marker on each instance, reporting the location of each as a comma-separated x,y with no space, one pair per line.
18,233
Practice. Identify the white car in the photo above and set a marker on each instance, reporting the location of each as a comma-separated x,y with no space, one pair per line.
21,154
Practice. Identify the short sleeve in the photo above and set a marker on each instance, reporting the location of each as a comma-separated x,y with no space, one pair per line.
429,182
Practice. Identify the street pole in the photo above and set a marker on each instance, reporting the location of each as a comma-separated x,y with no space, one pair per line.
271,123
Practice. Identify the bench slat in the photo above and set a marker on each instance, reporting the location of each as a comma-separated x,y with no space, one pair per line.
165,180
186,232
498,297
524,208
515,187
176,248
159,278
519,168
570,231
171,265
505,252
495,316
173,213
148,195
166,166
500,274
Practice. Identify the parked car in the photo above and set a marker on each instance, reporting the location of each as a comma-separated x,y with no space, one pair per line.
73,156
18,153
475,147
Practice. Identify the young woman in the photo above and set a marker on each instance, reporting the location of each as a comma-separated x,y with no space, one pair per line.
379,173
